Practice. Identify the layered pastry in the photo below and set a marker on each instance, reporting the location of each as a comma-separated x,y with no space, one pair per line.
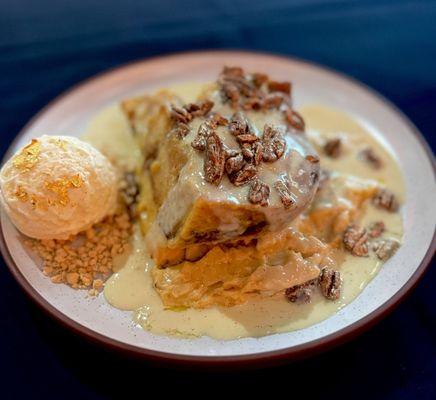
226,187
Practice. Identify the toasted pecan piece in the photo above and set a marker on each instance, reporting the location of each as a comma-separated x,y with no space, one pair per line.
259,193
214,159
330,283
355,240
386,200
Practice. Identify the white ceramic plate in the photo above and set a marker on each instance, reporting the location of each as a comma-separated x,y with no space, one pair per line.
70,114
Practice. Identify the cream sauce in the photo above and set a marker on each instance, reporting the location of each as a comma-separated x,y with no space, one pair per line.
131,288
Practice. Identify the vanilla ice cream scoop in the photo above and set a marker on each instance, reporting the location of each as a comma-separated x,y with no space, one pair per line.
57,186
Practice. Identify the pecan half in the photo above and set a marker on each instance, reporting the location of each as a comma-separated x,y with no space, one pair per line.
180,114
355,240
247,138
259,79
199,109
230,92
218,120
330,283
232,71
257,150
284,87
376,229
385,249
239,124
295,120
259,193
283,189
272,100
274,144
204,130
234,163
214,159
247,151
368,155
385,199
253,103
244,175
333,147
301,293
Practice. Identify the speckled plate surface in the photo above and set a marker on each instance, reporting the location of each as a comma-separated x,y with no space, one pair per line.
70,113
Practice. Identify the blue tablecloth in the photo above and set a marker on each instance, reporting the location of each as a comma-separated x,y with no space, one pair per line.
47,46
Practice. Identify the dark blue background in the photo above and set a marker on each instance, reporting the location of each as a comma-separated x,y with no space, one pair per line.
47,46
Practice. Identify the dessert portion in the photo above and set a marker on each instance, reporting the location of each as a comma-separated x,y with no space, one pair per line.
57,186
211,208
230,190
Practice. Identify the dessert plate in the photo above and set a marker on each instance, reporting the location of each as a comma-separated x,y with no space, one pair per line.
94,318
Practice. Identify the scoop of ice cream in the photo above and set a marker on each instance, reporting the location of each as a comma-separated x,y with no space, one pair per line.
57,186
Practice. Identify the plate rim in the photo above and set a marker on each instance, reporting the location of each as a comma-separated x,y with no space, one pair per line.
270,357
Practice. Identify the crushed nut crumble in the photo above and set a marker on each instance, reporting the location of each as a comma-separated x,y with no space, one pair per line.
85,260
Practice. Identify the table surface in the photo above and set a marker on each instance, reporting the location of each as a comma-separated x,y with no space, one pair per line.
47,46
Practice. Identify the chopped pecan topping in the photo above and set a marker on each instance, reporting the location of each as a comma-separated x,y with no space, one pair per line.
200,109
244,175
233,71
247,138
234,163
204,130
330,283
385,249
259,193
181,130
239,124
230,152
284,191
257,150
272,100
247,151
295,120
275,86
180,114
273,143
301,293
253,103
231,92
259,79
355,240
368,155
218,120
214,159
333,147
376,229
385,199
